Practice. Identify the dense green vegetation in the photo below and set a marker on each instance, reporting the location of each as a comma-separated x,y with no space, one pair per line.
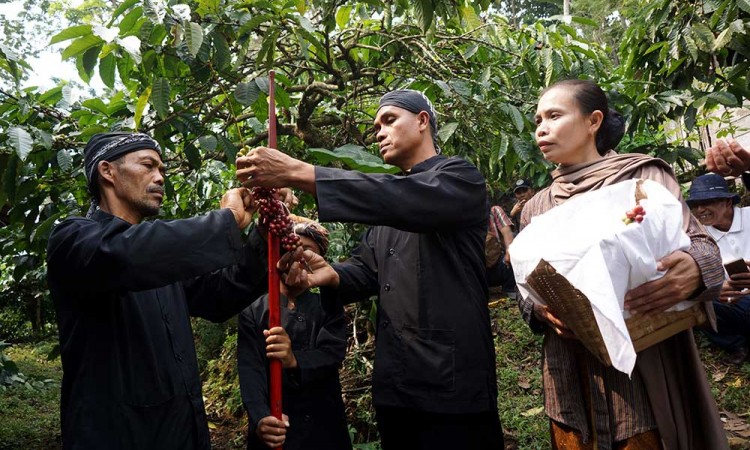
194,75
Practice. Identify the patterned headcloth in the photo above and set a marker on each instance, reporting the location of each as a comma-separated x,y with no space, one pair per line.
415,102
312,229
109,147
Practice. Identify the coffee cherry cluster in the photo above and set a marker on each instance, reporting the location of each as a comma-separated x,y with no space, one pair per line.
634,215
274,216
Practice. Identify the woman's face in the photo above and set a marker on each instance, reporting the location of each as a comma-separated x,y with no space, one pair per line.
564,134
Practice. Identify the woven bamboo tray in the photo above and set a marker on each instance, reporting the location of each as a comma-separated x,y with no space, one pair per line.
574,309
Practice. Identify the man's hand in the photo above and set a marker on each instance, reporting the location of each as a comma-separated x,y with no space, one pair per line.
304,269
735,287
279,346
267,167
726,157
517,208
287,197
272,431
682,279
240,202
544,314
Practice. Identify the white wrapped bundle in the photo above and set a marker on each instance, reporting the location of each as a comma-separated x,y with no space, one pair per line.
586,241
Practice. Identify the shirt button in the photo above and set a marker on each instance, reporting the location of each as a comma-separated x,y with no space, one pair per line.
300,319
385,324
392,252
307,417
178,356
387,287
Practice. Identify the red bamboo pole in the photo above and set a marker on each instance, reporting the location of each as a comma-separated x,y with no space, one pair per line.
274,249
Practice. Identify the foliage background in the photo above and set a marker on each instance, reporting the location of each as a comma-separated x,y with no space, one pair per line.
194,75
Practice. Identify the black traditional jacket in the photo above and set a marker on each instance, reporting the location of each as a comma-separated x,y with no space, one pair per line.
311,393
425,263
124,295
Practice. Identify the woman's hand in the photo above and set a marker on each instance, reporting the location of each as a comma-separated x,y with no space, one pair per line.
543,313
681,280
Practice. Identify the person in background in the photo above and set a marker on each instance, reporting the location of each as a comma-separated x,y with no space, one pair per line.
497,258
434,384
124,290
523,191
311,344
716,208
667,402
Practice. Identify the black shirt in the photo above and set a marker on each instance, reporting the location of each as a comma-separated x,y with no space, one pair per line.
425,261
124,295
311,393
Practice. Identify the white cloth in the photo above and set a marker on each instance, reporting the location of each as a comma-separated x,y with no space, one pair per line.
586,240
735,243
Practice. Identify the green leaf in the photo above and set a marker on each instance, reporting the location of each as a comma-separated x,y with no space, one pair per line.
343,15
70,33
723,39
267,47
90,58
703,36
193,155
262,83
446,131
207,7
282,97
208,142
353,156
42,230
222,54
247,93
107,70
470,17
9,178
140,106
121,9
80,45
160,96
744,5
96,104
584,21
193,37
424,12
692,47
21,141
52,96
301,6
471,51
65,160
723,97
226,146
515,116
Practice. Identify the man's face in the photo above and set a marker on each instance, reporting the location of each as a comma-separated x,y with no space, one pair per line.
713,212
138,179
523,194
398,133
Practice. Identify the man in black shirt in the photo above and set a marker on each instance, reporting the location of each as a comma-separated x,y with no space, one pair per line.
434,383
124,291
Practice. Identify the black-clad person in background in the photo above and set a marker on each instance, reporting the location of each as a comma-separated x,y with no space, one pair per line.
311,345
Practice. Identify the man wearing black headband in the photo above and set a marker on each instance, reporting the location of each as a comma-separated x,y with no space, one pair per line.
124,291
434,384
